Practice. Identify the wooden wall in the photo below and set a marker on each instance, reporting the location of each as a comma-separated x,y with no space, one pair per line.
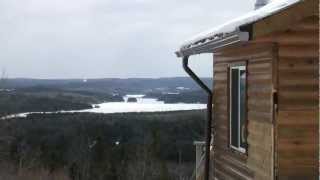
258,163
298,116
297,127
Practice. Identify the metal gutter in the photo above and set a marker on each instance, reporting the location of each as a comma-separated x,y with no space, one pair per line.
209,114
209,46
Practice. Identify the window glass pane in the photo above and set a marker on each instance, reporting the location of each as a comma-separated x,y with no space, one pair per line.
234,108
242,108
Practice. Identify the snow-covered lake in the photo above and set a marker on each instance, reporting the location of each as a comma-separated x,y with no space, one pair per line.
142,105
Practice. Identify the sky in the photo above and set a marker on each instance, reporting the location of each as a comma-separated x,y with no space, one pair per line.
106,38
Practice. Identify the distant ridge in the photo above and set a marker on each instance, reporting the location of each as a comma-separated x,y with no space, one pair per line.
134,84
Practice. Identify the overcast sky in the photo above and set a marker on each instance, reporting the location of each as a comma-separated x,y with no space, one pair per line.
106,38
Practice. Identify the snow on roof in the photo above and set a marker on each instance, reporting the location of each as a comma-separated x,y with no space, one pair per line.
232,26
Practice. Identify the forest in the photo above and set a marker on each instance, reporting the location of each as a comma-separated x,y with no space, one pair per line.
85,146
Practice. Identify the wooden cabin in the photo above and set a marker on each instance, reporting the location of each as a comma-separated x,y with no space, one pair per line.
266,92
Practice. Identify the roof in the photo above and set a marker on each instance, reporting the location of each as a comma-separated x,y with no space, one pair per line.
232,28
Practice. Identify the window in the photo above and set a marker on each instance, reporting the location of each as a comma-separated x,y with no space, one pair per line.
237,108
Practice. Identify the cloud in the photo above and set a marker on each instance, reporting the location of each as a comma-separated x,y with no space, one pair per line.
105,38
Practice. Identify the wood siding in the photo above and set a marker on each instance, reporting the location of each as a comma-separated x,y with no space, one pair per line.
297,126
286,18
258,163
298,106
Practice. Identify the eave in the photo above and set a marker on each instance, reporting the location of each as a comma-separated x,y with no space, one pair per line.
211,45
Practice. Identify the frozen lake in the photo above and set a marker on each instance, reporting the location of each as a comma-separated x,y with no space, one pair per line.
142,105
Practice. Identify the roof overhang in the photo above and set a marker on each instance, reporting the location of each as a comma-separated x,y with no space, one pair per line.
210,45
233,31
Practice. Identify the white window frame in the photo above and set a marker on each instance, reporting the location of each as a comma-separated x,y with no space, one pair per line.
240,149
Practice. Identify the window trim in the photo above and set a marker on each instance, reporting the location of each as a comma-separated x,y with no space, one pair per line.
240,66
